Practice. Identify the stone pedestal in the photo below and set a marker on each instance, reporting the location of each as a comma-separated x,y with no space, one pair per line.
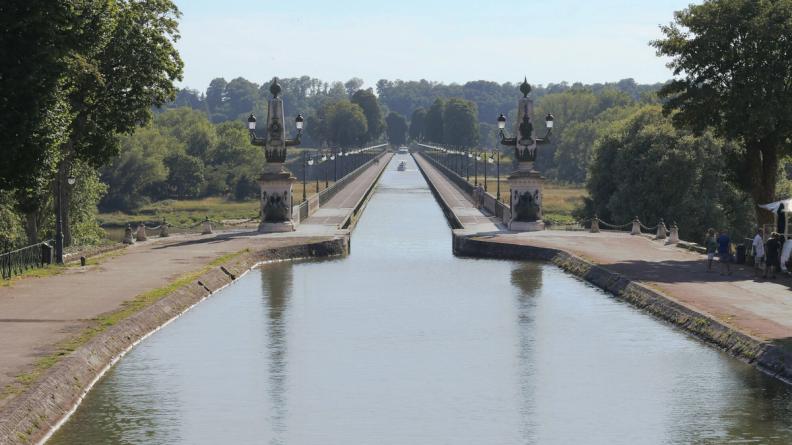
526,188
276,200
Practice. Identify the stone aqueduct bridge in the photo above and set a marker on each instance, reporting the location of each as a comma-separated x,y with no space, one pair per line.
748,319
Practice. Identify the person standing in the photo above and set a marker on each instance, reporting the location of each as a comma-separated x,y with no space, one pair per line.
711,243
724,253
772,255
759,252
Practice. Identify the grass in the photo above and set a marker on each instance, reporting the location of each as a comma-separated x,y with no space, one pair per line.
192,211
103,322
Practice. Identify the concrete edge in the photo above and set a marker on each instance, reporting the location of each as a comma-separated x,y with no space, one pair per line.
352,218
451,218
769,357
34,415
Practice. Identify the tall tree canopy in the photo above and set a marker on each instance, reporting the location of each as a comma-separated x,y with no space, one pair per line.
38,45
397,128
460,123
644,166
734,66
371,109
417,124
433,123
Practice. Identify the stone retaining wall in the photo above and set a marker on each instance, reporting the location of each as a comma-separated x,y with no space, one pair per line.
773,358
31,416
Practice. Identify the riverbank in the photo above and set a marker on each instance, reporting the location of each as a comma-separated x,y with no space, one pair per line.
71,327
748,318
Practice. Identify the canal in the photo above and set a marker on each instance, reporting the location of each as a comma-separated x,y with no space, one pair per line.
403,343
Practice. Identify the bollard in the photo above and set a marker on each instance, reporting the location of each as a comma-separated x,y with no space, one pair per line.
82,261
141,233
595,224
636,227
164,229
128,235
661,230
674,237
207,227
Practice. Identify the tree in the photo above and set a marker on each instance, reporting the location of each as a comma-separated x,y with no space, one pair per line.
35,43
371,109
353,85
113,85
138,174
216,99
644,166
460,123
185,175
342,123
417,124
397,128
433,123
734,76
242,97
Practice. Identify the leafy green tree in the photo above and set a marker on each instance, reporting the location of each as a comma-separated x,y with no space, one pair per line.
242,97
371,109
460,123
190,127
734,71
216,99
417,124
36,44
185,175
397,128
353,85
138,174
644,166
131,66
433,123
346,124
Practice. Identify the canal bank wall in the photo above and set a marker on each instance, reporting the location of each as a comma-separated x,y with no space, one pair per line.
34,415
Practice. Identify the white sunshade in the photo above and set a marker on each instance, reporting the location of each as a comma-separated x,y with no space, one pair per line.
773,206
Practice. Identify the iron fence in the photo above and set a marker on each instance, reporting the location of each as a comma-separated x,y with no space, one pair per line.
18,261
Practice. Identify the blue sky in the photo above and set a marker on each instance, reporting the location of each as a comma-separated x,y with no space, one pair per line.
447,41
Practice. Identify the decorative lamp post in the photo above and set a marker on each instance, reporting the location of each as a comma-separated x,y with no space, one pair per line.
276,181
497,173
525,184
59,223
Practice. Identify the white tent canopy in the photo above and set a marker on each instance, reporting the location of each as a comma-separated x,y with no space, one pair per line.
773,206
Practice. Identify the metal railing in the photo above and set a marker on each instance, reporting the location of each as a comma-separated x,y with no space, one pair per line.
18,261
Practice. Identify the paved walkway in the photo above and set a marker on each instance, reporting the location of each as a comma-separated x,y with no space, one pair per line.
760,308
335,211
38,313
473,219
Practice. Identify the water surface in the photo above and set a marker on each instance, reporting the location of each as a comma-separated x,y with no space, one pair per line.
402,343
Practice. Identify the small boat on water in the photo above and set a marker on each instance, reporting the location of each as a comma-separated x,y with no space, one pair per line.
402,166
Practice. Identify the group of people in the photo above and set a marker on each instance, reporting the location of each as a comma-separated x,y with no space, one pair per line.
767,254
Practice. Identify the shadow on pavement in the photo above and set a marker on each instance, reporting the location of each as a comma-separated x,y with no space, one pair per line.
689,271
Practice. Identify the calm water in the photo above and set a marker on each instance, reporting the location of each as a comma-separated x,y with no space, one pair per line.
402,343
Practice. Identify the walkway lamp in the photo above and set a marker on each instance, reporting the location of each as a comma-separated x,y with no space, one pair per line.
59,224
525,184
475,168
276,181
497,173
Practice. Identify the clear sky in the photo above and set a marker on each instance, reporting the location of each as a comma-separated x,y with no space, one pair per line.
447,41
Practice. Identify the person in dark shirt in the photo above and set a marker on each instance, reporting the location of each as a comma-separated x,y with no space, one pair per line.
724,253
773,254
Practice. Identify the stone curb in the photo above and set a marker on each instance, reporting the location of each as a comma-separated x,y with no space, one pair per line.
35,414
773,358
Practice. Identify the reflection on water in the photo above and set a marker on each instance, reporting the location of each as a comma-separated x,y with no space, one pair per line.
402,343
